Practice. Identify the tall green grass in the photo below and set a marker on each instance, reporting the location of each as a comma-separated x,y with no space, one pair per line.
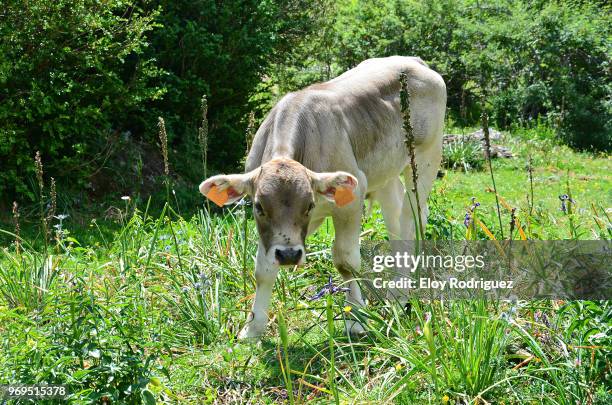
151,313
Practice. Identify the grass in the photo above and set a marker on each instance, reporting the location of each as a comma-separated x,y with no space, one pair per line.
148,310
465,154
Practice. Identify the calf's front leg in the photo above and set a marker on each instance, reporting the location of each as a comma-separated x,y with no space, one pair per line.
265,276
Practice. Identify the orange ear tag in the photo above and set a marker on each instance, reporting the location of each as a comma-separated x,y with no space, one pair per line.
343,196
218,197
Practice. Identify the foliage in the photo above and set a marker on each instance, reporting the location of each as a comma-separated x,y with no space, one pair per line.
84,82
24,279
72,75
463,153
148,308
90,345
522,60
221,50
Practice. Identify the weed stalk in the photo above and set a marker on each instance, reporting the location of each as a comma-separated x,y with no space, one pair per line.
41,186
17,228
485,131
569,211
163,138
410,144
53,195
331,344
512,222
284,361
203,140
203,135
245,223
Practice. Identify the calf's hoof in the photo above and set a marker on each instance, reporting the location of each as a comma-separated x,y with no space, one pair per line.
252,331
355,329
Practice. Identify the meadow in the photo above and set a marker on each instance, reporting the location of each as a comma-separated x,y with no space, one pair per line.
119,280
143,306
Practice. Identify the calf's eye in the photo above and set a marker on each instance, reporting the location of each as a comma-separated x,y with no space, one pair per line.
310,207
259,209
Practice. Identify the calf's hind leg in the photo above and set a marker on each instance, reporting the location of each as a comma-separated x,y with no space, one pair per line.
428,158
391,198
347,260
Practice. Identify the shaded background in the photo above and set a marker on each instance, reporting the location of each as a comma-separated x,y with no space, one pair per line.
83,81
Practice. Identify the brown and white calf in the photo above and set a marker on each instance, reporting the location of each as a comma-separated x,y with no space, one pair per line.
320,152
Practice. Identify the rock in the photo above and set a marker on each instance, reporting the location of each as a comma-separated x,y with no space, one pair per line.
479,134
498,151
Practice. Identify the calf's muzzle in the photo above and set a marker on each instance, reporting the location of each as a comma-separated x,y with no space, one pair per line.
288,256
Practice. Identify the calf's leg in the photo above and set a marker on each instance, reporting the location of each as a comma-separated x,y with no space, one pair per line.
347,260
428,158
391,198
265,276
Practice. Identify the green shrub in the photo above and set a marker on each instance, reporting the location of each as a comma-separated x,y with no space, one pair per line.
71,77
84,82
97,350
523,60
221,49
465,154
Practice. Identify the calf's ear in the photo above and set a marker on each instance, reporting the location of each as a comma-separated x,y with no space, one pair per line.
336,187
227,188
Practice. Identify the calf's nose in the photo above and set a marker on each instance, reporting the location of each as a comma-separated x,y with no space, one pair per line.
288,256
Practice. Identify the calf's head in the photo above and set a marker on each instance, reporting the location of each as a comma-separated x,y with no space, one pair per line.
284,194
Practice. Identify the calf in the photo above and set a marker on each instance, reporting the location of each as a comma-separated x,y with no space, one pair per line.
320,152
